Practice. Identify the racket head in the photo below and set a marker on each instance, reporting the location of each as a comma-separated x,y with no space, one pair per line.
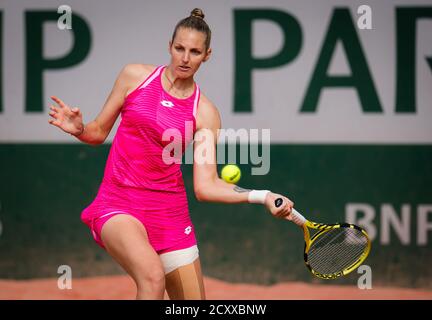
335,250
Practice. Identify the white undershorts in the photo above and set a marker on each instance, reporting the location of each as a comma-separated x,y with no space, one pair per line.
175,259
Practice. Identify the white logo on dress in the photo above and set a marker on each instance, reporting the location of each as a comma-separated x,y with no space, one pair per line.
188,229
167,103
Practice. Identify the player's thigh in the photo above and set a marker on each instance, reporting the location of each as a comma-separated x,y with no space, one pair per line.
125,239
186,282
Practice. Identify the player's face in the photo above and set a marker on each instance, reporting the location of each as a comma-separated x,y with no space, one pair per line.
188,51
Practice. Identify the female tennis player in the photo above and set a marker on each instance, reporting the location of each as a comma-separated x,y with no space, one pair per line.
140,215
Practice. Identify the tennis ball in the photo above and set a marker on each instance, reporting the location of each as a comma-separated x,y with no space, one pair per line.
231,173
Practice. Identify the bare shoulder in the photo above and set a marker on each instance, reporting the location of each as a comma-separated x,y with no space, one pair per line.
208,114
137,70
134,74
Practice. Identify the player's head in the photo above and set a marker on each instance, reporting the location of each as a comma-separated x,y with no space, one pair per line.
190,44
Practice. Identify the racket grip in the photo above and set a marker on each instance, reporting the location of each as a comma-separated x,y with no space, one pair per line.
294,216
297,218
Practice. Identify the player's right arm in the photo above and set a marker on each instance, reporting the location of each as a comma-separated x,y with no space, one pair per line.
95,132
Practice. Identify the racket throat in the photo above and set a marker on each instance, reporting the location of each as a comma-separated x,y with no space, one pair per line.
306,234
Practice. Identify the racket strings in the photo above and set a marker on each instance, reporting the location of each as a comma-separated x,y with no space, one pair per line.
336,250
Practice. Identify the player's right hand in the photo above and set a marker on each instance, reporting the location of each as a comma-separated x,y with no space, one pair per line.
66,118
279,212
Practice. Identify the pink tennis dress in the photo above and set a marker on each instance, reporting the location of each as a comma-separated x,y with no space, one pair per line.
142,176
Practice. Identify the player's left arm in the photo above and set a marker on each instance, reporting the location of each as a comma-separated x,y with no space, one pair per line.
208,186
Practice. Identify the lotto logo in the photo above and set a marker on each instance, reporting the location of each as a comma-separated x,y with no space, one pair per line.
167,103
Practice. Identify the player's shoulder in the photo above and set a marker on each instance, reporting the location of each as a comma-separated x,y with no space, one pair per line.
137,70
208,114
206,106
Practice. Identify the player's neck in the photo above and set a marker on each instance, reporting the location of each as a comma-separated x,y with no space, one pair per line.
179,84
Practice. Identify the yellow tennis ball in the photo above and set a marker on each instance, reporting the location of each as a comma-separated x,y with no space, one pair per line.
231,173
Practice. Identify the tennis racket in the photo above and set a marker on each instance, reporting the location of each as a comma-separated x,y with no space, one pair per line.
335,249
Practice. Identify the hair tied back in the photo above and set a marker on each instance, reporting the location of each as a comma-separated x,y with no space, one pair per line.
197,13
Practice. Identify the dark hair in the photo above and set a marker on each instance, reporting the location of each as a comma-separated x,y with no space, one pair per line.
195,21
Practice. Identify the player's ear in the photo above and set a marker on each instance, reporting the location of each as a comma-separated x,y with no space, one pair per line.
169,46
208,54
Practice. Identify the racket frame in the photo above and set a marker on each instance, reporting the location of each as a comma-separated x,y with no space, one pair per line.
322,229
297,218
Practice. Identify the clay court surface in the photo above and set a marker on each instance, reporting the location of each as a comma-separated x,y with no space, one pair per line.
122,287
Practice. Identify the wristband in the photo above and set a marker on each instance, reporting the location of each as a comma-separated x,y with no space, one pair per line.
257,196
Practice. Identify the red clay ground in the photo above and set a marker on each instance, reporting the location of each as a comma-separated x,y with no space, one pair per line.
122,287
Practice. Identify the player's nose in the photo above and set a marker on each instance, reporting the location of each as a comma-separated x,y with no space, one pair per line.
185,58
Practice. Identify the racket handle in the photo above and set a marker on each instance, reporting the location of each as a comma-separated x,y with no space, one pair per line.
294,216
297,218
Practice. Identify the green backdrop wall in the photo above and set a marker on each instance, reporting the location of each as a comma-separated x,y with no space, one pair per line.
45,187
